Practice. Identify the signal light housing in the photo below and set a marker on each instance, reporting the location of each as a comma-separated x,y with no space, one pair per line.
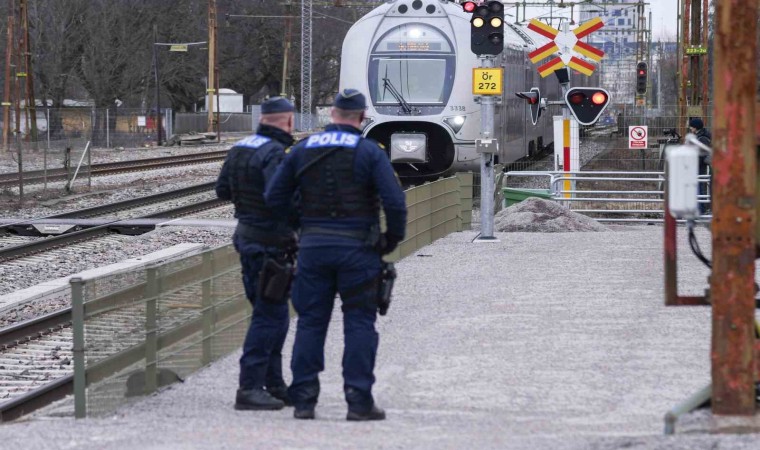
587,103
533,97
487,27
641,77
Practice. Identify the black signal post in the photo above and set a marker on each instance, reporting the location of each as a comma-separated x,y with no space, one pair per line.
486,27
641,78
587,103
533,97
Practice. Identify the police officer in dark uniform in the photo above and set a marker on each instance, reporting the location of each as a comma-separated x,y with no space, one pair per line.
341,178
697,126
259,235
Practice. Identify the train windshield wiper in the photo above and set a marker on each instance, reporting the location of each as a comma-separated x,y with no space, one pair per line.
387,85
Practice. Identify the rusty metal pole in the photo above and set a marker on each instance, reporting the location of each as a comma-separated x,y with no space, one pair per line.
733,228
705,75
210,82
31,102
7,83
684,72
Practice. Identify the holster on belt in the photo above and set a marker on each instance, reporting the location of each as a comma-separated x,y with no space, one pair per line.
275,279
387,279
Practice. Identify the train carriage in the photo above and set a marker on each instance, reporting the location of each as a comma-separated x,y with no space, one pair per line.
413,58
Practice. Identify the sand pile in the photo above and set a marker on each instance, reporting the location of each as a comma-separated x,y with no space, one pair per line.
537,215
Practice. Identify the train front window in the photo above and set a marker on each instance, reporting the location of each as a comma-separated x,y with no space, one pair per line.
417,80
412,63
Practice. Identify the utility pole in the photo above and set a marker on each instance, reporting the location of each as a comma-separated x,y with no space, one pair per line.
17,114
286,46
306,17
158,86
693,75
211,85
735,211
7,85
642,49
31,102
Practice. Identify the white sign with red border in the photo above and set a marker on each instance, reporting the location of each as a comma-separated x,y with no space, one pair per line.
638,136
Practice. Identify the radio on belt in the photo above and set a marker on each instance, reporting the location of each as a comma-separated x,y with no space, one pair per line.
683,181
487,145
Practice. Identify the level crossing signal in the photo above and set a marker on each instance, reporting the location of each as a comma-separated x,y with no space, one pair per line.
486,27
641,78
587,103
533,97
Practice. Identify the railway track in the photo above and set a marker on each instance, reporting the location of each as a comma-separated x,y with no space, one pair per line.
27,224
15,252
36,359
137,165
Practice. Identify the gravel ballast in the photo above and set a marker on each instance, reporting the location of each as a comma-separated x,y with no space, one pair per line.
543,216
539,341
29,271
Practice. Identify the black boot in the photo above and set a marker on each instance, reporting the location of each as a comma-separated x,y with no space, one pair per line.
280,393
257,400
373,414
305,414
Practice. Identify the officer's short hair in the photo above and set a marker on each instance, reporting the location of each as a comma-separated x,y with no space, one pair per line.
348,115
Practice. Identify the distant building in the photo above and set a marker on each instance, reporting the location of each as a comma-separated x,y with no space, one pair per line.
229,101
618,40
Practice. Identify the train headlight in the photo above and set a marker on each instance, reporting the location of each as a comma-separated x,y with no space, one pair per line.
455,122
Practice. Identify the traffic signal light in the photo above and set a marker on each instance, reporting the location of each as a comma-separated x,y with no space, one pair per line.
641,78
534,101
587,103
486,27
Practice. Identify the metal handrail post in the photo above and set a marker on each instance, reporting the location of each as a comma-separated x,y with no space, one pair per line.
78,348
207,271
152,292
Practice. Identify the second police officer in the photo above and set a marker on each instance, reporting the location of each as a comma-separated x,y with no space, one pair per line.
342,178
259,235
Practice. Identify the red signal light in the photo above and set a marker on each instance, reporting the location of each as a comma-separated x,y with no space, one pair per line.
641,72
577,98
598,98
469,6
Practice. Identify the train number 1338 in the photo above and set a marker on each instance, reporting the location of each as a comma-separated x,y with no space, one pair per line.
487,81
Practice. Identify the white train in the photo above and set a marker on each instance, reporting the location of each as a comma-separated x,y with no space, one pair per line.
413,58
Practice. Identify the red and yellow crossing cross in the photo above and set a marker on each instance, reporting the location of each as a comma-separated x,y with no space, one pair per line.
569,45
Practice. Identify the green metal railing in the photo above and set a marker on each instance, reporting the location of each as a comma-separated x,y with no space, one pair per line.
136,331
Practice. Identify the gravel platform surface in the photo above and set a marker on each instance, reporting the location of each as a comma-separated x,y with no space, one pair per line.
540,341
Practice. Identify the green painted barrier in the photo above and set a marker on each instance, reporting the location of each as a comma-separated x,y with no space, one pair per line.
512,195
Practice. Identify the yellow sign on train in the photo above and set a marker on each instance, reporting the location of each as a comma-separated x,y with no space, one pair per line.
488,81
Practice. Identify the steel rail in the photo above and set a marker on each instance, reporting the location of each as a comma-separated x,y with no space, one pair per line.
119,206
38,176
32,248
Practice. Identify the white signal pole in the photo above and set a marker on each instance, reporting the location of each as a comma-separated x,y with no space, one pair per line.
487,146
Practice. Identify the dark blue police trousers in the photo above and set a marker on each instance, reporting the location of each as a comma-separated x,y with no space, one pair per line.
261,362
321,272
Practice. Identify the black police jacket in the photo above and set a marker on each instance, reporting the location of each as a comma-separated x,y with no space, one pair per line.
249,166
341,176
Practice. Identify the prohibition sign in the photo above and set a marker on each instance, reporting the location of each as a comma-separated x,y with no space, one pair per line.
638,137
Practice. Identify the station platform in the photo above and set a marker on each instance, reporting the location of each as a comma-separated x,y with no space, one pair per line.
539,341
